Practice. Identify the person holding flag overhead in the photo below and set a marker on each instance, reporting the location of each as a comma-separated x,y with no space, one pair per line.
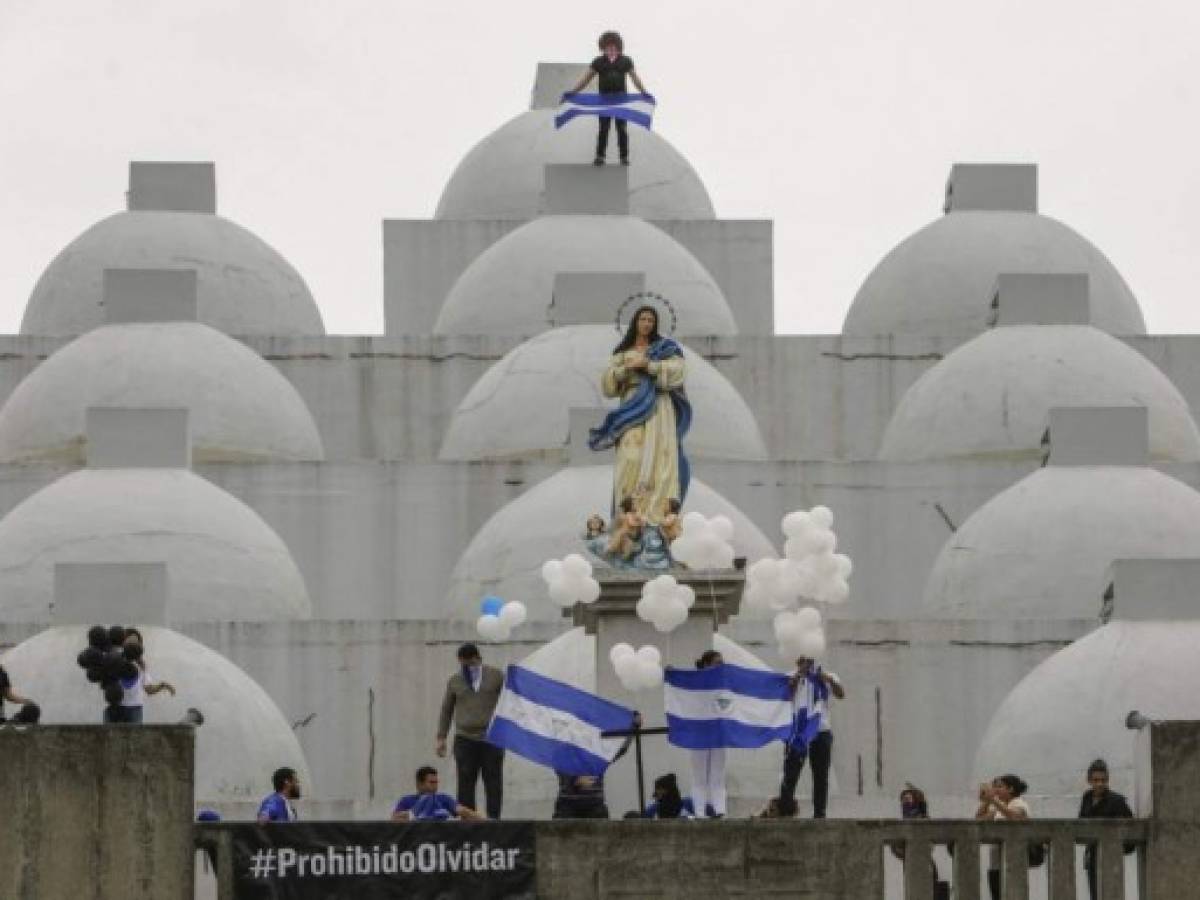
611,67
811,737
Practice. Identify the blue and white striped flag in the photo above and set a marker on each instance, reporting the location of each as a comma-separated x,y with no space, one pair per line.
635,108
727,706
555,724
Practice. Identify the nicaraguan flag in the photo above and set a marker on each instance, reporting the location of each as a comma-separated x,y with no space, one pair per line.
635,108
727,706
555,724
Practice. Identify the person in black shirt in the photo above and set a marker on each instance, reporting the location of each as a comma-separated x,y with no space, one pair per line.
1099,803
582,796
29,712
612,65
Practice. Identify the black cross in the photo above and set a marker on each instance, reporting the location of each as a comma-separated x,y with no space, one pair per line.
637,751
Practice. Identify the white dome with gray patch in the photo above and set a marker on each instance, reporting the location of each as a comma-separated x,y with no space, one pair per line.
224,562
1040,548
991,396
509,288
244,286
939,281
521,406
501,176
240,408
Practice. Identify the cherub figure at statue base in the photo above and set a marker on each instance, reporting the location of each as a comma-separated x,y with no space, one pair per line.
632,544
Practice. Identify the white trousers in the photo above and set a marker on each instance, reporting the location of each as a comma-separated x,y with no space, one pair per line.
708,781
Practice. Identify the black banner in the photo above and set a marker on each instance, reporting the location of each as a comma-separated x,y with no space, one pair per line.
384,861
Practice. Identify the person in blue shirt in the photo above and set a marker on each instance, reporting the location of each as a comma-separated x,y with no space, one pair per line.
277,807
668,803
427,804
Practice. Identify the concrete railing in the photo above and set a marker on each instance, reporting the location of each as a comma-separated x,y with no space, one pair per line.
818,860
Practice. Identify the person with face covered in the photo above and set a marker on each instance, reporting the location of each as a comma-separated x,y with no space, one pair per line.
812,735
470,699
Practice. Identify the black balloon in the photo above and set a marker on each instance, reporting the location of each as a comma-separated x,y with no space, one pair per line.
90,657
94,675
98,637
133,652
116,635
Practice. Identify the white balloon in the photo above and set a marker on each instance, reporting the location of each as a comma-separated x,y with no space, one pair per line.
808,618
811,645
620,651
795,523
662,586
844,564
491,628
694,521
722,527
551,571
822,516
590,592
650,675
513,613
561,593
650,653
575,566
687,595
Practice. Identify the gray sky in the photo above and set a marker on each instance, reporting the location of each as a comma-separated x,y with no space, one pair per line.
838,120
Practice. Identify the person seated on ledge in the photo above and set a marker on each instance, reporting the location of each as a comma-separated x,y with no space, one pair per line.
668,803
627,531
427,804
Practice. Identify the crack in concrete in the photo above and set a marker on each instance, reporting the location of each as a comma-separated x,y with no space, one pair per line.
893,357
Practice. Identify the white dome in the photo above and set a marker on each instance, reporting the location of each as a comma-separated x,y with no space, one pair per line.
546,522
509,287
992,396
239,406
1072,707
501,177
243,285
224,562
1040,548
521,405
244,737
939,281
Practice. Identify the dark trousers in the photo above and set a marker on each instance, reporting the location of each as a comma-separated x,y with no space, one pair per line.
1091,878
819,752
472,759
123,715
994,883
622,137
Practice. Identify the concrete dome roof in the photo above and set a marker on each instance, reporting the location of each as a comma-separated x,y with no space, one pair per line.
939,280
505,557
501,177
224,562
1040,548
1072,707
509,287
244,737
169,364
521,406
991,396
244,286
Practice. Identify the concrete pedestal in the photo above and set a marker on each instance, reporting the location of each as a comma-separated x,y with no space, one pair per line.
613,619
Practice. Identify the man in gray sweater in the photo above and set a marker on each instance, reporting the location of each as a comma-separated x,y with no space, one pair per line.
471,697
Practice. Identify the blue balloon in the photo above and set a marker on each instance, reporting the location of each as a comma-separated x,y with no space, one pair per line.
491,606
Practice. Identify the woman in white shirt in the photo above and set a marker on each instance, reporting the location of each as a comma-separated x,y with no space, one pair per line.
1001,801
708,766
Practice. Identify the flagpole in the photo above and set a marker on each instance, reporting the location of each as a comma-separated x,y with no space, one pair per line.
637,750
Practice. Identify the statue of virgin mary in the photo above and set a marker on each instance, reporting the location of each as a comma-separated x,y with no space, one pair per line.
647,373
